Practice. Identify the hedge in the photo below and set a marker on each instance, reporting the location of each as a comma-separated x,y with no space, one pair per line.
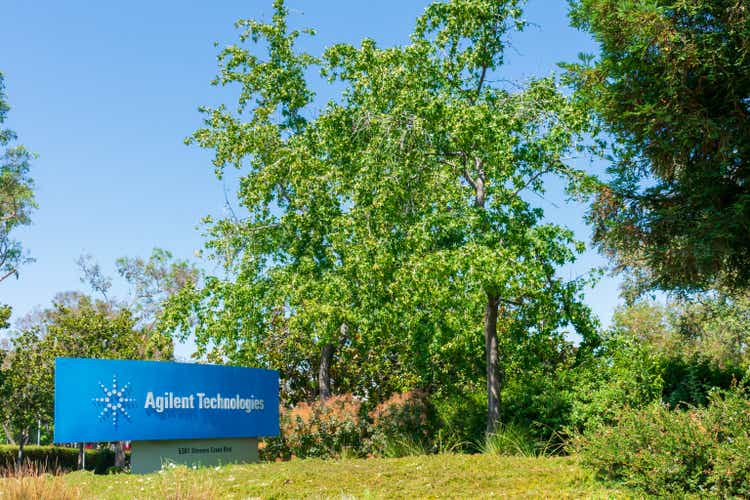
58,458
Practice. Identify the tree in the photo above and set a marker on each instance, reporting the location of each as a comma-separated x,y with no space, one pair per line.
461,154
75,326
712,325
275,264
4,316
670,87
26,389
16,200
16,194
393,226
715,325
152,282
95,329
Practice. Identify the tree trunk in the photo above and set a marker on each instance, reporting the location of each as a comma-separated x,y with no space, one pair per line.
19,456
119,454
8,434
324,372
491,353
81,456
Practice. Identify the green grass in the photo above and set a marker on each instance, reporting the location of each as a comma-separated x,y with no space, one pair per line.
419,476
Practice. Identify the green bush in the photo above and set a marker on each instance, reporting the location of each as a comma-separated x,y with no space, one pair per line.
728,420
625,373
628,372
667,451
464,416
58,458
688,381
539,403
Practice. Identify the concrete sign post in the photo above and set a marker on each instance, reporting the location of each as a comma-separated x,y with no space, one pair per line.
172,412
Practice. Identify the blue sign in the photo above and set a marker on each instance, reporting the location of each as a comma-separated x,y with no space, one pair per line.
118,400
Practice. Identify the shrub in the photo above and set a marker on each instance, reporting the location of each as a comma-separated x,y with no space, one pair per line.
659,450
323,430
464,416
57,458
625,373
728,420
630,371
689,380
404,424
664,451
539,404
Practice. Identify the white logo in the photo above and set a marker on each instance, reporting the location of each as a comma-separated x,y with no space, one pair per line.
114,402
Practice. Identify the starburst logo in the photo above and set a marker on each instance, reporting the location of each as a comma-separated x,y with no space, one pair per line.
114,401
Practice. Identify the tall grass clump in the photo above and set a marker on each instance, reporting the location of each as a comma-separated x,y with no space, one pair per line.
516,440
31,480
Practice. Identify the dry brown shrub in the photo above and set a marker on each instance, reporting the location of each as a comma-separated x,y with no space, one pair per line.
342,408
396,403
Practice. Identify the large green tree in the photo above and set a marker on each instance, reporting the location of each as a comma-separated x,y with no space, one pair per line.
81,327
389,229
671,87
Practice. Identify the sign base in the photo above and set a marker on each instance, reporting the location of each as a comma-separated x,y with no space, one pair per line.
149,456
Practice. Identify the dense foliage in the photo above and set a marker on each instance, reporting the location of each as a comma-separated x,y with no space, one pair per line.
387,257
667,453
386,241
26,389
671,87
16,200
54,459
343,426
332,429
662,405
653,352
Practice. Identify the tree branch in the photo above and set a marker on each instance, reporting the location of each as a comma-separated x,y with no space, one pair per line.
509,301
480,84
9,274
532,179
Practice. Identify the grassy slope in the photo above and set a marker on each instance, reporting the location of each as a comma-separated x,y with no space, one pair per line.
423,476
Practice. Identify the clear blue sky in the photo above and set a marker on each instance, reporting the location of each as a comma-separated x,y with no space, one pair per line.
105,93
